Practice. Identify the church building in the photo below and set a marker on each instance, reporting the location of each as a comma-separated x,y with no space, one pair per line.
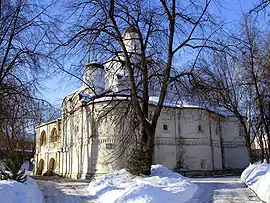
96,130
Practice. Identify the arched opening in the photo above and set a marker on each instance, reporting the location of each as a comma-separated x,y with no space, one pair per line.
52,164
43,138
200,128
54,136
40,167
165,127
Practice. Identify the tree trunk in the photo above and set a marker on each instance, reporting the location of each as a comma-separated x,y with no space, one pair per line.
250,154
248,145
268,154
150,151
262,148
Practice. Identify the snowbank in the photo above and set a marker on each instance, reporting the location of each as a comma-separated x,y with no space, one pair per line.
257,177
15,192
162,186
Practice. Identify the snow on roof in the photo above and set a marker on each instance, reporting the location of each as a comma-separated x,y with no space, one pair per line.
109,95
49,122
86,97
112,96
154,100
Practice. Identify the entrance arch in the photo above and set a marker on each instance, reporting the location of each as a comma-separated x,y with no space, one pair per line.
52,164
40,167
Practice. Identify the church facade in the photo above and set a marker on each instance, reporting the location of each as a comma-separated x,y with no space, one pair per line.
96,132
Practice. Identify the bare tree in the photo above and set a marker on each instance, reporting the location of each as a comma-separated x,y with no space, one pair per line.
255,60
163,33
238,82
25,33
260,6
219,84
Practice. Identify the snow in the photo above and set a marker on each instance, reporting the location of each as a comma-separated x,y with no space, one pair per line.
113,96
56,191
222,189
86,97
180,104
161,186
257,177
211,189
14,192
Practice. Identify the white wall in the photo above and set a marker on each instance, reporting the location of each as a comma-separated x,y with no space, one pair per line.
86,137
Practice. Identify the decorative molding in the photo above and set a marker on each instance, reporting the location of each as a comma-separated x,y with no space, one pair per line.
158,141
169,141
233,144
216,143
194,141
165,141
185,141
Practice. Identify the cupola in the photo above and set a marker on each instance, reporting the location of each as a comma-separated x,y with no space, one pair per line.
94,76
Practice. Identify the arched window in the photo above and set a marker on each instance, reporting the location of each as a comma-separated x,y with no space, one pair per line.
54,136
52,164
43,138
200,128
165,127
40,167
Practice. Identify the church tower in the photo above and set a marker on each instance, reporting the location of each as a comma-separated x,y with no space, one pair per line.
94,76
132,40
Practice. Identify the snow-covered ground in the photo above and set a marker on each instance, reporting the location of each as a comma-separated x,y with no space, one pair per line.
120,186
222,190
257,177
162,186
14,192
65,191
217,190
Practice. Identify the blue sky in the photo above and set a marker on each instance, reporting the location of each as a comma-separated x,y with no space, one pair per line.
56,88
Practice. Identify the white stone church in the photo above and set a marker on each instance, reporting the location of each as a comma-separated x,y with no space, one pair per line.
96,130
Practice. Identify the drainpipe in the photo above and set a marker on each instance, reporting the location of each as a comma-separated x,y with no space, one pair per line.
211,142
221,143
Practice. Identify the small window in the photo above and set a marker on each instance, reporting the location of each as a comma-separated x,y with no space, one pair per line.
108,145
200,128
217,130
165,127
119,77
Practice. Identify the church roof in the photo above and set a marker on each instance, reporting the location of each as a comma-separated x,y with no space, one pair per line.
94,64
